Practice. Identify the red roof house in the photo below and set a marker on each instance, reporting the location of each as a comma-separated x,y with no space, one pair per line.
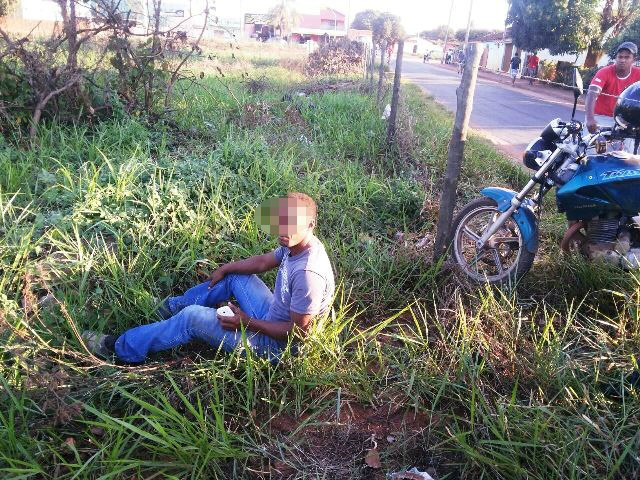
327,23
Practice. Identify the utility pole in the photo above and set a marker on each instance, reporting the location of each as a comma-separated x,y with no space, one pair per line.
466,37
347,23
446,34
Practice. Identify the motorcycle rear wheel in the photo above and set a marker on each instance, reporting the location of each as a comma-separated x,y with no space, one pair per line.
504,260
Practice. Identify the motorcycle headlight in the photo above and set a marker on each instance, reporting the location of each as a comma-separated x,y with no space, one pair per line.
552,131
537,153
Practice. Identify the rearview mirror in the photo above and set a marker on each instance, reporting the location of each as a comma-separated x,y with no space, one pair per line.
577,82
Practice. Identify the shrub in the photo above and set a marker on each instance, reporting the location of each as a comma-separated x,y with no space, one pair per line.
547,71
75,77
336,58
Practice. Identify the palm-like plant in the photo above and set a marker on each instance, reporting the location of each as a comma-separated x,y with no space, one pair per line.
284,17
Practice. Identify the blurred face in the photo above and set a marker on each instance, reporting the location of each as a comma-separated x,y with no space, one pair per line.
624,61
288,218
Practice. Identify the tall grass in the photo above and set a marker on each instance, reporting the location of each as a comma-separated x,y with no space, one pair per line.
472,382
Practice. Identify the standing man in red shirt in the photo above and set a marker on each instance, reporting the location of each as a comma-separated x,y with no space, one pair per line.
533,67
608,84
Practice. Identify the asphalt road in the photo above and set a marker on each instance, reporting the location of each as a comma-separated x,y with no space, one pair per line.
507,116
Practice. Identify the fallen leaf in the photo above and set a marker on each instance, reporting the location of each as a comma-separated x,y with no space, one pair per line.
97,431
372,459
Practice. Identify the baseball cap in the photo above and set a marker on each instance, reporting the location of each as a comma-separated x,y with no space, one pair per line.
632,47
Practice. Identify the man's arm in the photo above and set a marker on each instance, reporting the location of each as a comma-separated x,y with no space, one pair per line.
277,330
590,106
248,266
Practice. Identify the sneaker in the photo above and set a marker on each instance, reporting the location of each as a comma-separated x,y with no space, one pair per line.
99,344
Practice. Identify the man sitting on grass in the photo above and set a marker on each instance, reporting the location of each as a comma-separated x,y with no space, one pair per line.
304,288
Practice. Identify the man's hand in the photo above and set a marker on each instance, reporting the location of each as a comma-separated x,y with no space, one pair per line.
626,156
217,275
236,321
248,266
592,125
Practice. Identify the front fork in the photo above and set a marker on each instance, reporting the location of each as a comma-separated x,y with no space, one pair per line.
516,201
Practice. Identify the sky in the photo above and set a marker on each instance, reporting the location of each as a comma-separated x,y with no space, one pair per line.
417,15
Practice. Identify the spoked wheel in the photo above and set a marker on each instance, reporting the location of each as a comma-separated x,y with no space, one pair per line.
503,259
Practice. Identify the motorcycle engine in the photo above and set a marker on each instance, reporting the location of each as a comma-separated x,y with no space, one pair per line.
610,240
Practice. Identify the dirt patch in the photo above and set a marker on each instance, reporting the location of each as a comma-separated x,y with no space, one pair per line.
259,113
257,85
298,65
293,116
356,418
254,114
340,447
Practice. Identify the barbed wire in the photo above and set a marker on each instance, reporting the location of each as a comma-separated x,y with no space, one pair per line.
572,87
546,82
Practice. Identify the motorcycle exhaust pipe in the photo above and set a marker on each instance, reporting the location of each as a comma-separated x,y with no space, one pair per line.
573,229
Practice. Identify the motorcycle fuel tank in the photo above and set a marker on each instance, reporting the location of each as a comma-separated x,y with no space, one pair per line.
603,184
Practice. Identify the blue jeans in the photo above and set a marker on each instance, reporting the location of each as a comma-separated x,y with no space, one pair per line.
193,317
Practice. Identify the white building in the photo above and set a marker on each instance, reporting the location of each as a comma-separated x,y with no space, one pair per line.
419,46
499,49
225,16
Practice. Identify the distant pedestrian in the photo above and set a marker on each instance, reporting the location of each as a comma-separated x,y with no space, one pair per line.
515,67
447,58
426,57
461,60
532,67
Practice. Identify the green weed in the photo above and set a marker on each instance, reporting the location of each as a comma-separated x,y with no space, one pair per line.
472,382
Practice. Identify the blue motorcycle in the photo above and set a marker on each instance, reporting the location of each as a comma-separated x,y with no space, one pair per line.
495,238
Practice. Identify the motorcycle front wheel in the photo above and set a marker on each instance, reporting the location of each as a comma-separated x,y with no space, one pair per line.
503,260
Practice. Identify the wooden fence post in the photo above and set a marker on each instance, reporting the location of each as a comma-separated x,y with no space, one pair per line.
372,66
367,55
365,59
464,95
383,47
391,126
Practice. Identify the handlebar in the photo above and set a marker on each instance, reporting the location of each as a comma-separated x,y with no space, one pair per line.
572,127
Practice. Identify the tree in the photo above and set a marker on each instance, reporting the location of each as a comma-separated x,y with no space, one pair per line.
364,20
615,16
5,7
474,34
283,17
387,29
438,33
47,80
569,26
630,34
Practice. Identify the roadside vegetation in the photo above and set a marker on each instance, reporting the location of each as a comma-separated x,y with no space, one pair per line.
412,367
